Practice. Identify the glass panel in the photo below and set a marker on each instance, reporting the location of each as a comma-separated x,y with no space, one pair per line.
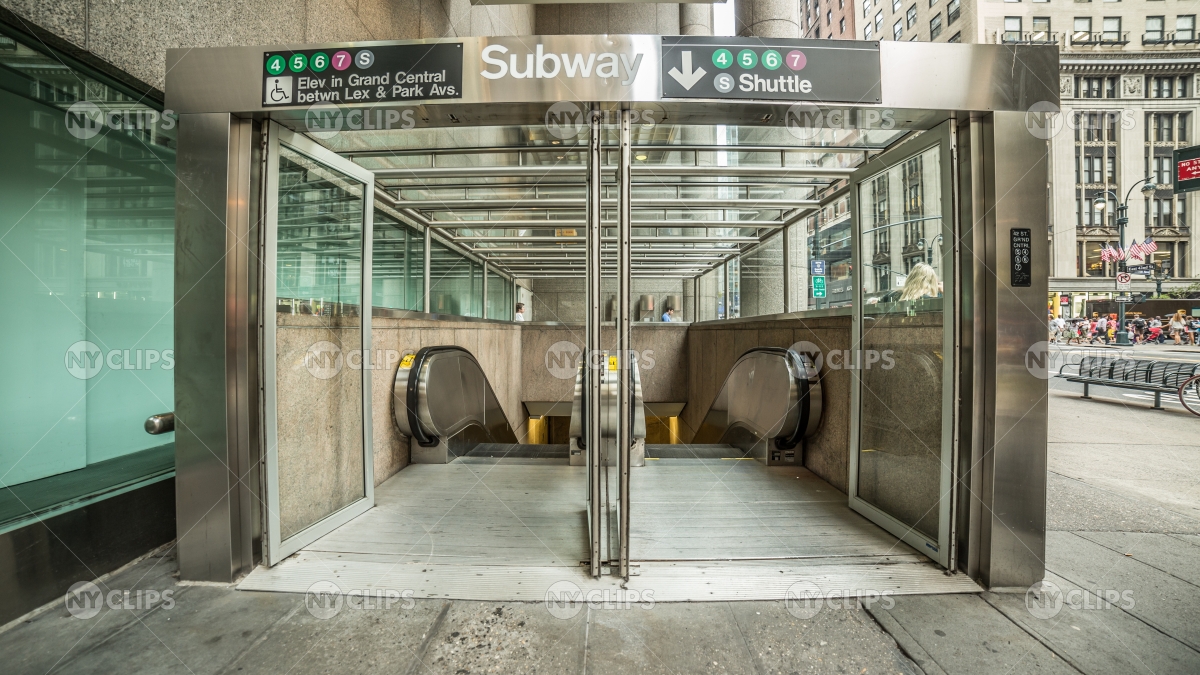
318,334
451,278
499,300
398,257
762,279
86,266
903,309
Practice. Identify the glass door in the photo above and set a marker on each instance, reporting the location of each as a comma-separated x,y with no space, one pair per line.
902,383
316,342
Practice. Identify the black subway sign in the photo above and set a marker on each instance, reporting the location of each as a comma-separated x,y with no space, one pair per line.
843,71
1020,253
363,75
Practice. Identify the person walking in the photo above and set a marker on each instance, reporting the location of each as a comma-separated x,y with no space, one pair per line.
1102,328
1178,327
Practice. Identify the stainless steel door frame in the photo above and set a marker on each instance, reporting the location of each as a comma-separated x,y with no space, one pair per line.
597,505
624,383
942,138
275,547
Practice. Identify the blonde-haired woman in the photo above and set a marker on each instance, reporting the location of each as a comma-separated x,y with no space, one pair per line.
1178,326
922,282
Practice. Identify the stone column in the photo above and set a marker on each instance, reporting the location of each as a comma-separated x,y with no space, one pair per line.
612,19
768,18
695,19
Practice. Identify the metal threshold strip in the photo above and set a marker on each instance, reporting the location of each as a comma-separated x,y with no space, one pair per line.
669,581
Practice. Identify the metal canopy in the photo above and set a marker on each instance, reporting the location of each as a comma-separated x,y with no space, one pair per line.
503,163
516,196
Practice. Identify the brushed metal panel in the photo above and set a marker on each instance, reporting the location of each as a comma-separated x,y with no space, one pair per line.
1014,522
216,442
968,77
916,75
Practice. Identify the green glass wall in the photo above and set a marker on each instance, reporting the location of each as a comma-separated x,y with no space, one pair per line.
398,257
87,200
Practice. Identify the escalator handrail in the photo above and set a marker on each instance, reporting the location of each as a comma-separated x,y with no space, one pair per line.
413,394
803,388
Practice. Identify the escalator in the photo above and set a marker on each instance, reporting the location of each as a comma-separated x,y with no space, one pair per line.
770,402
442,401
609,383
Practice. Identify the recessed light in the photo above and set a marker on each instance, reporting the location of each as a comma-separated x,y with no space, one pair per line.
640,158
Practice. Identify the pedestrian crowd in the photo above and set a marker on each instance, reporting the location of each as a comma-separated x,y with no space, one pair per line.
1102,329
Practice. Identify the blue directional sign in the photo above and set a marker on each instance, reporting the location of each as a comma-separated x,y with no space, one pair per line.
817,268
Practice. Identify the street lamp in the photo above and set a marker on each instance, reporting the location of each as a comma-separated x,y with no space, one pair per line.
1122,219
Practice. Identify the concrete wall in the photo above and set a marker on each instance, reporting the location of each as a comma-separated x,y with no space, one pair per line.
565,300
497,347
318,420
663,359
714,347
134,35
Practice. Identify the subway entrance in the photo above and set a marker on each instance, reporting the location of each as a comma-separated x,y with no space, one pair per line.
617,331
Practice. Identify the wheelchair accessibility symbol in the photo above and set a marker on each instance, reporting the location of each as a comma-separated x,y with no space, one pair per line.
278,91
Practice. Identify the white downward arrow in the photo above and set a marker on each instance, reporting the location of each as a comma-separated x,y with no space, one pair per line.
688,77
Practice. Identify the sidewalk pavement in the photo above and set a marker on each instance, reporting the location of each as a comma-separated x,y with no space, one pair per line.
1123,549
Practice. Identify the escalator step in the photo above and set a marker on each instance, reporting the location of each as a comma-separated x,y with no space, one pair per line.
518,451
685,451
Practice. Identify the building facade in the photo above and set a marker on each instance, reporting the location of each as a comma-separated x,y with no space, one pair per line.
830,19
1129,98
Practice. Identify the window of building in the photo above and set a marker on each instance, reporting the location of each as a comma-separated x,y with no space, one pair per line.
898,30
1168,86
817,32
829,18
1012,29
866,8
1096,87
1095,166
879,22
957,37
1154,29
932,3
935,26
1082,31
87,271
911,16
1112,29
895,5
952,12
1185,28
842,26
867,32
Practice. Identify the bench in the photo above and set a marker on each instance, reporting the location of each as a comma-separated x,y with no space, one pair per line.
1159,377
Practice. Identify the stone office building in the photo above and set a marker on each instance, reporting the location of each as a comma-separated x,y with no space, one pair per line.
1129,98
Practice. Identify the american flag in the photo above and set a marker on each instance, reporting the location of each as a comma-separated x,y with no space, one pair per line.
1149,246
1105,253
1135,250
1118,253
